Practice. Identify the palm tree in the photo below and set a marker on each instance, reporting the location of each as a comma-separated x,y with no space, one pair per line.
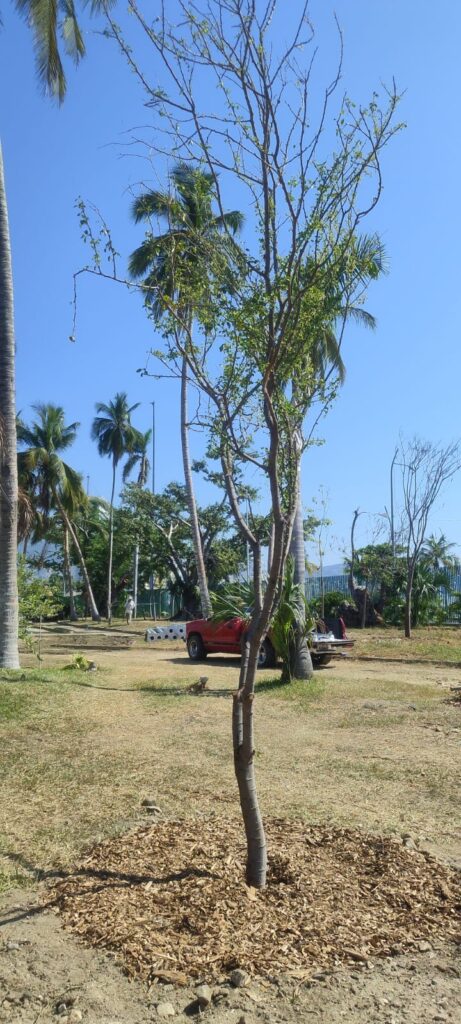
436,552
139,457
326,359
9,656
179,265
56,486
115,438
46,19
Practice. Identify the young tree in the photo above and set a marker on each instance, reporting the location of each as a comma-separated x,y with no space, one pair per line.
115,437
425,468
177,265
307,261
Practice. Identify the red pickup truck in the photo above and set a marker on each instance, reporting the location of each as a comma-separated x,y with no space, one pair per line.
203,636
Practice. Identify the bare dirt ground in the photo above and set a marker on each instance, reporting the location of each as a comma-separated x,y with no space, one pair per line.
374,746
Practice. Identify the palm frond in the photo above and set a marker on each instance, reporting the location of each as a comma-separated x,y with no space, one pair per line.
70,31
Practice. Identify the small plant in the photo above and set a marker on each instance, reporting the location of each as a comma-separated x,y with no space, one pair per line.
81,663
237,601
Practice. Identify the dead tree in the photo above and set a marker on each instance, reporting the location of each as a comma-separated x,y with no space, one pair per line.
425,468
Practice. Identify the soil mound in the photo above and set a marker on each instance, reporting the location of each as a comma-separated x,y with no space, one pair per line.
171,901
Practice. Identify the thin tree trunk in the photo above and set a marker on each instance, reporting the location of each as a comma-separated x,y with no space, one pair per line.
111,547
92,603
300,660
244,748
242,712
68,574
408,597
205,601
9,655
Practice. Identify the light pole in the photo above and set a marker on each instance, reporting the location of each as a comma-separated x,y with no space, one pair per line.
392,502
153,447
152,593
248,543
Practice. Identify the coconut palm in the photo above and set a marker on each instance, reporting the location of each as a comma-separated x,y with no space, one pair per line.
57,488
115,437
437,553
9,656
180,265
48,19
326,359
53,22
139,458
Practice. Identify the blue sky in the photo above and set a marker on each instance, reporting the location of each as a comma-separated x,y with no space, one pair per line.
404,378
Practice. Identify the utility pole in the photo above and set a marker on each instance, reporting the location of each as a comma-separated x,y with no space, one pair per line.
392,503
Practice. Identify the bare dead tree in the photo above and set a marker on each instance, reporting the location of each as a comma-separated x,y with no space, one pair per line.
234,100
425,468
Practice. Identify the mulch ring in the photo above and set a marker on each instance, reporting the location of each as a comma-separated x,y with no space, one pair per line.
171,901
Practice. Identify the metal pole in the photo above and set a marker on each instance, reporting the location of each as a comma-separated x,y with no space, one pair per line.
135,579
248,544
151,580
392,503
153,447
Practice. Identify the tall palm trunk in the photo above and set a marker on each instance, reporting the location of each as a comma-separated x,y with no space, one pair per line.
68,574
9,656
300,660
205,601
86,579
111,546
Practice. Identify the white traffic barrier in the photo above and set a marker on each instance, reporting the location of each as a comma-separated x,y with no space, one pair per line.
177,631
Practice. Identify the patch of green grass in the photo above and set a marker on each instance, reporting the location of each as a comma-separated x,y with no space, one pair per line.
15,880
14,704
304,692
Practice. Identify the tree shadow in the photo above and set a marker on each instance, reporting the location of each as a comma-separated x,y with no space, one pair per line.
228,661
271,685
108,880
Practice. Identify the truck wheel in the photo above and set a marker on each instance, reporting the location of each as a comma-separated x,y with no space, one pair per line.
267,656
319,660
195,647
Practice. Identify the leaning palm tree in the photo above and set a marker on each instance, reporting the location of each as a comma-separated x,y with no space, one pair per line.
115,437
139,458
180,264
57,488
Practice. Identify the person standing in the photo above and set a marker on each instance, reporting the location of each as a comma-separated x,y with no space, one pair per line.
129,609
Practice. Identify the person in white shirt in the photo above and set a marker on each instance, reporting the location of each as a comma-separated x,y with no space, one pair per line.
129,609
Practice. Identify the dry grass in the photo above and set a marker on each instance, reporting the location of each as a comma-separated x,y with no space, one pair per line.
439,644
369,745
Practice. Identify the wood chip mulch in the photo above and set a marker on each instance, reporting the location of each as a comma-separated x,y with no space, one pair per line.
171,901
